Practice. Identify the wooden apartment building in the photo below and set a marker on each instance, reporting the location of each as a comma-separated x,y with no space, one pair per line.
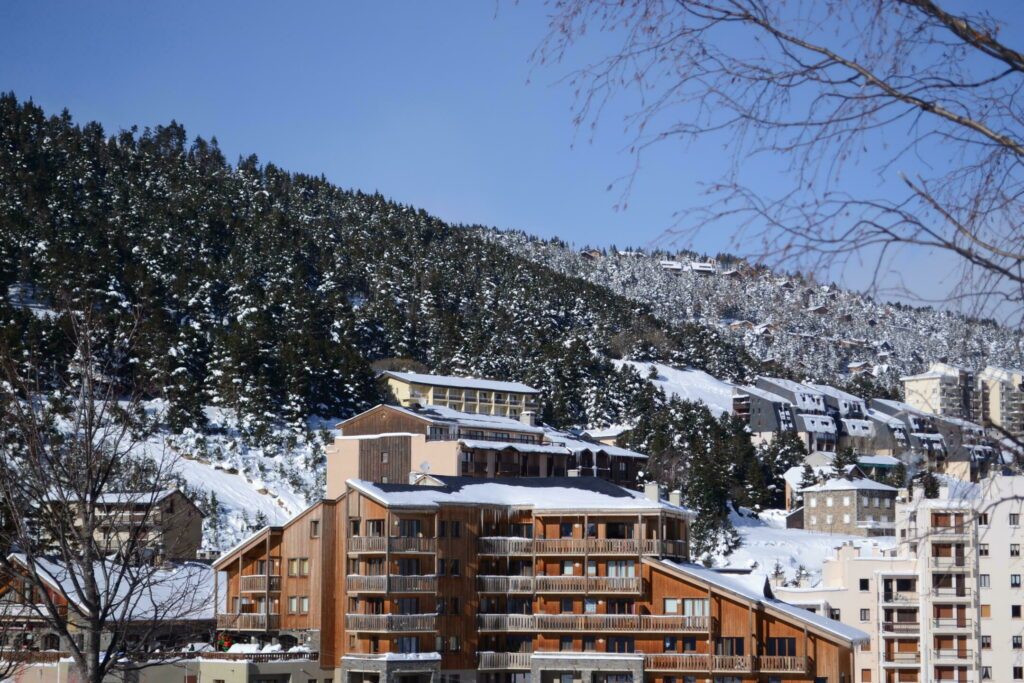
547,579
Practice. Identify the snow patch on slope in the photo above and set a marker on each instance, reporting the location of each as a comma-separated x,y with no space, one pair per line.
688,385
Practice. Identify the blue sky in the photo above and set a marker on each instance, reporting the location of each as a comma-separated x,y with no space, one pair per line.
435,104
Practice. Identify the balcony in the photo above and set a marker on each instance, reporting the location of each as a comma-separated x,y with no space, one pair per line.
397,544
954,563
949,533
783,665
248,622
392,583
504,545
687,662
504,584
260,583
589,584
951,592
393,623
498,661
901,627
496,545
901,598
587,623
901,659
952,656
951,624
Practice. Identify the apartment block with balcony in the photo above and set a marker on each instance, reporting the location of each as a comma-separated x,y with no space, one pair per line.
1001,397
543,579
388,443
464,394
944,389
777,405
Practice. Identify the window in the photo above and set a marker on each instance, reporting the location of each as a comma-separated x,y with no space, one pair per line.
453,567
670,644
986,673
846,501
454,645
780,647
983,549
567,606
865,584
565,530
834,614
829,501
814,502
442,528
567,568
1018,673
314,528
1016,642
1015,550
846,519
865,615
984,581
589,644
410,528
671,605
985,611
565,643
1014,519
1015,611
590,606
814,519
456,528
828,519
407,645
298,566
441,567
1014,580
983,519
383,456
696,607
865,675
986,642
621,568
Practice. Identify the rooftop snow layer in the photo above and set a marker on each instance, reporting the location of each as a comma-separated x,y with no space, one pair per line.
461,382
747,588
841,484
542,494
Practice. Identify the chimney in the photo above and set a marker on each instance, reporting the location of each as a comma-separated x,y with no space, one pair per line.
652,491
676,497
528,417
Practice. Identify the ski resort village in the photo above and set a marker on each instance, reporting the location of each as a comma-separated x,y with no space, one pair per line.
459,538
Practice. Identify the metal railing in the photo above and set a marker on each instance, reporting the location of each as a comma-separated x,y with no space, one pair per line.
900,597
951,624
949,562
951,592
901,658
498,545
901,627
948,653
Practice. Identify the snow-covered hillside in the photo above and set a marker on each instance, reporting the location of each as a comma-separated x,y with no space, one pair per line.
689,385
766,540
813,328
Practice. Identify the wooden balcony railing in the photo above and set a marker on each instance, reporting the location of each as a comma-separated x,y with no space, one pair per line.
505,584
396,544
677,662
656,623
357,583
248,622
589,584
732,663
260,583
399,623
412,584
782,665
500,545
503,660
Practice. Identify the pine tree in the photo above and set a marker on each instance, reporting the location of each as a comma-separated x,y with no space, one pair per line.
844,459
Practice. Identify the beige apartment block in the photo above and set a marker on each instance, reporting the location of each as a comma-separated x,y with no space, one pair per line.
1002,399
947,603
465,394
944,389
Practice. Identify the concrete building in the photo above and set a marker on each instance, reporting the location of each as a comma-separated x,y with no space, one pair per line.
947,603
1002,400
464,394
943,390
775,405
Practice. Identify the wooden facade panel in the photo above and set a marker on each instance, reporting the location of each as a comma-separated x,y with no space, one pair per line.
382,420
387,459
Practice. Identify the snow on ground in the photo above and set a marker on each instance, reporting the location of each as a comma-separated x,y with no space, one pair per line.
689,385
766,539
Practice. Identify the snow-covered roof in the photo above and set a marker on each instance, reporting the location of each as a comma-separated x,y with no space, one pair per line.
930,374
878,460
794,476
612,432
521,447
176,592
829,390
888,420
843,484
470,420
577,445
817,424
999,374
763,394
546,494
752,588
461,382
858,427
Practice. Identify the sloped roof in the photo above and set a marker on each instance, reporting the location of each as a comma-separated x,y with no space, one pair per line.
461,382
745,590
843,484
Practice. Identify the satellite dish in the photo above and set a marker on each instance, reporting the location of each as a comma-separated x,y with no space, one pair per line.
425,467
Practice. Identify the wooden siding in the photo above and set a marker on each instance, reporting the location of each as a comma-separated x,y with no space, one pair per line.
384,419
396,469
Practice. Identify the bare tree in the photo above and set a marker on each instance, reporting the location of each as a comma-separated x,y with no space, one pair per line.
83,496
921,99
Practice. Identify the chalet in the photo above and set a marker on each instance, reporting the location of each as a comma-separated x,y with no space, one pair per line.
591,254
